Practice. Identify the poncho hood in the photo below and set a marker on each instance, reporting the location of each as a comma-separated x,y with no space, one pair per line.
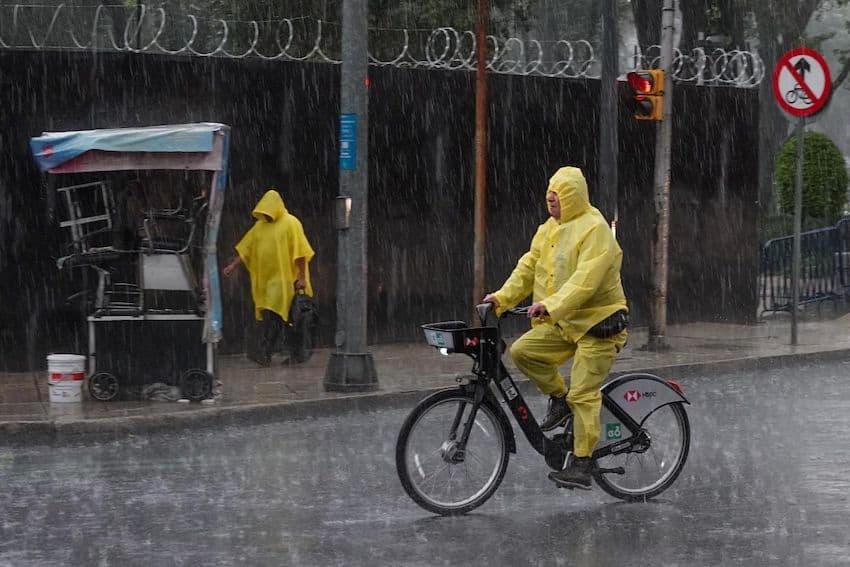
270,207
569,185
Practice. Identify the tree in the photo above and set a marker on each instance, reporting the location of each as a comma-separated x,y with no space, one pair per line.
843,54
647,14
778,25
824,177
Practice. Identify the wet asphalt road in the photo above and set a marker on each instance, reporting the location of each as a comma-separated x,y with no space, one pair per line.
767,483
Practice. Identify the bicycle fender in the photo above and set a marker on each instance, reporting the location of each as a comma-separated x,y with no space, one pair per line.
638,395
491,403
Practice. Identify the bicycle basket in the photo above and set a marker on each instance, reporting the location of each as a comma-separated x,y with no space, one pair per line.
456,336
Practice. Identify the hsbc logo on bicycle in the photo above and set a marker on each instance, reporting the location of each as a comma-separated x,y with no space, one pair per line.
636,395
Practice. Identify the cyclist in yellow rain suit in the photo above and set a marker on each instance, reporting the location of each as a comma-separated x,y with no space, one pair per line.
579,311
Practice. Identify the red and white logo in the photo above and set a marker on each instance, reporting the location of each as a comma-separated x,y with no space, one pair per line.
471,341
632,396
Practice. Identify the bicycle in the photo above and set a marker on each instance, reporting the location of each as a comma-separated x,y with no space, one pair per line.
797,92
453,448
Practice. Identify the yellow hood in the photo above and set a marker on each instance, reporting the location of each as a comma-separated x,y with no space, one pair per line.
270,207
569,185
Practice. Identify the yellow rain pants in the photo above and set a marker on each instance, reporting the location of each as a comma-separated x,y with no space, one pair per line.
539,353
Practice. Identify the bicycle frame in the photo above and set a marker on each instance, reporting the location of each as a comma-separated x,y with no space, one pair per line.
493,382
642,394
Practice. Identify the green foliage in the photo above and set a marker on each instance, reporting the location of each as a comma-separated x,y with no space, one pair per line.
824,177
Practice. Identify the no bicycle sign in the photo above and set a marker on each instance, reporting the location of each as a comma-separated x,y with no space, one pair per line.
801,82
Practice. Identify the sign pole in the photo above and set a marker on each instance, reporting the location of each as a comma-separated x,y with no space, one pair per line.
798,221
802,85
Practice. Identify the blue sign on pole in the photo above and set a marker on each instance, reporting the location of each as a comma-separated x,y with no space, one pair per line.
348,141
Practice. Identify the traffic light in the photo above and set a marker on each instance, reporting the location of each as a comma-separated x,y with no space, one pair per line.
646,90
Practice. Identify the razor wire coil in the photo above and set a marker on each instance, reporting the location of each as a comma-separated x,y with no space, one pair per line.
145,30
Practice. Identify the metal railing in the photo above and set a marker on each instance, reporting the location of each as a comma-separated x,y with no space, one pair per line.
824,267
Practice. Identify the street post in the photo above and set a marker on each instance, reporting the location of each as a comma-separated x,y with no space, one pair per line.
351,367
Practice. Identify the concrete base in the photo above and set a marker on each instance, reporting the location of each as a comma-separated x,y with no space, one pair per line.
348,372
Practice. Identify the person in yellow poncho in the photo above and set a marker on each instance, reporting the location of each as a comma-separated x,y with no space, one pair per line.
277,255
579,310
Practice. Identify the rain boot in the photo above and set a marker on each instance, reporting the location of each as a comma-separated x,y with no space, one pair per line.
557,413
577,473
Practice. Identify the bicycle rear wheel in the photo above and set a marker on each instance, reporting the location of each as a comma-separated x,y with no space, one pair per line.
434,470
650,468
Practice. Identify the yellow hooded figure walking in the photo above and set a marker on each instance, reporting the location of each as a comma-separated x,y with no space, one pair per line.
572,271
277,255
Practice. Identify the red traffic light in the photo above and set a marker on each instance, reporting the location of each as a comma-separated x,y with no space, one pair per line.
640,82
646,94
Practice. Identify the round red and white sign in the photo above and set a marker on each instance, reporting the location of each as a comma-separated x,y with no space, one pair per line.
801,82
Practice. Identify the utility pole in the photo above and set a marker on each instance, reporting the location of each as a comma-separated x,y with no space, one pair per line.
482,23
609,114
351,368
663,140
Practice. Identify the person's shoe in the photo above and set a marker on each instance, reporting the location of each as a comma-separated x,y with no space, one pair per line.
556,415
262,360
575,475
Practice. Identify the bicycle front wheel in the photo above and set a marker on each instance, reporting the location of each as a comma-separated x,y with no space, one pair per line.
436,471
650,467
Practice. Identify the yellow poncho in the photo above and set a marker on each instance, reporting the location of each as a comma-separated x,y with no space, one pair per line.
269,251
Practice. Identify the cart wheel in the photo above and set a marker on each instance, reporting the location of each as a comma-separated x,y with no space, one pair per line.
196,384
103,386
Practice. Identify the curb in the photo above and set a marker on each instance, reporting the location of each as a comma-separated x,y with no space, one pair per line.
65,432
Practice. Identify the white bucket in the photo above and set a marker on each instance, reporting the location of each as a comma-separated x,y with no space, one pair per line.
65,376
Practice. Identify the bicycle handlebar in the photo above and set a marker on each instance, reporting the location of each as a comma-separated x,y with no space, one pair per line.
486,312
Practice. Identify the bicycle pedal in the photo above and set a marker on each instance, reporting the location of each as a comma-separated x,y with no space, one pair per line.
615,470
573,487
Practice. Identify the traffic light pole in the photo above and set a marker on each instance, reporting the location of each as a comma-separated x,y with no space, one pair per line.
608,117
351,368
663,142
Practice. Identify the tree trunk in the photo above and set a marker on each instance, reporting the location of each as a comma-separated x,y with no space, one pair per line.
694,21
732,22
647,22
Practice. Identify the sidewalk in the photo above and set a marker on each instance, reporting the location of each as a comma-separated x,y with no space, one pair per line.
407,370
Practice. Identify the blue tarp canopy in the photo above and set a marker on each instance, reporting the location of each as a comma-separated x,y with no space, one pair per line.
52,149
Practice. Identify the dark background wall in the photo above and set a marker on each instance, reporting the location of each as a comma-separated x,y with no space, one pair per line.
284,118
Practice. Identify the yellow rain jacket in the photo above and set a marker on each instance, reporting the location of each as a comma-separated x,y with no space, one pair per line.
269,250
573,266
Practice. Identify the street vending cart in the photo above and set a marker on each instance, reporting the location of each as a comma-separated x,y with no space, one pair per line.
153,305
